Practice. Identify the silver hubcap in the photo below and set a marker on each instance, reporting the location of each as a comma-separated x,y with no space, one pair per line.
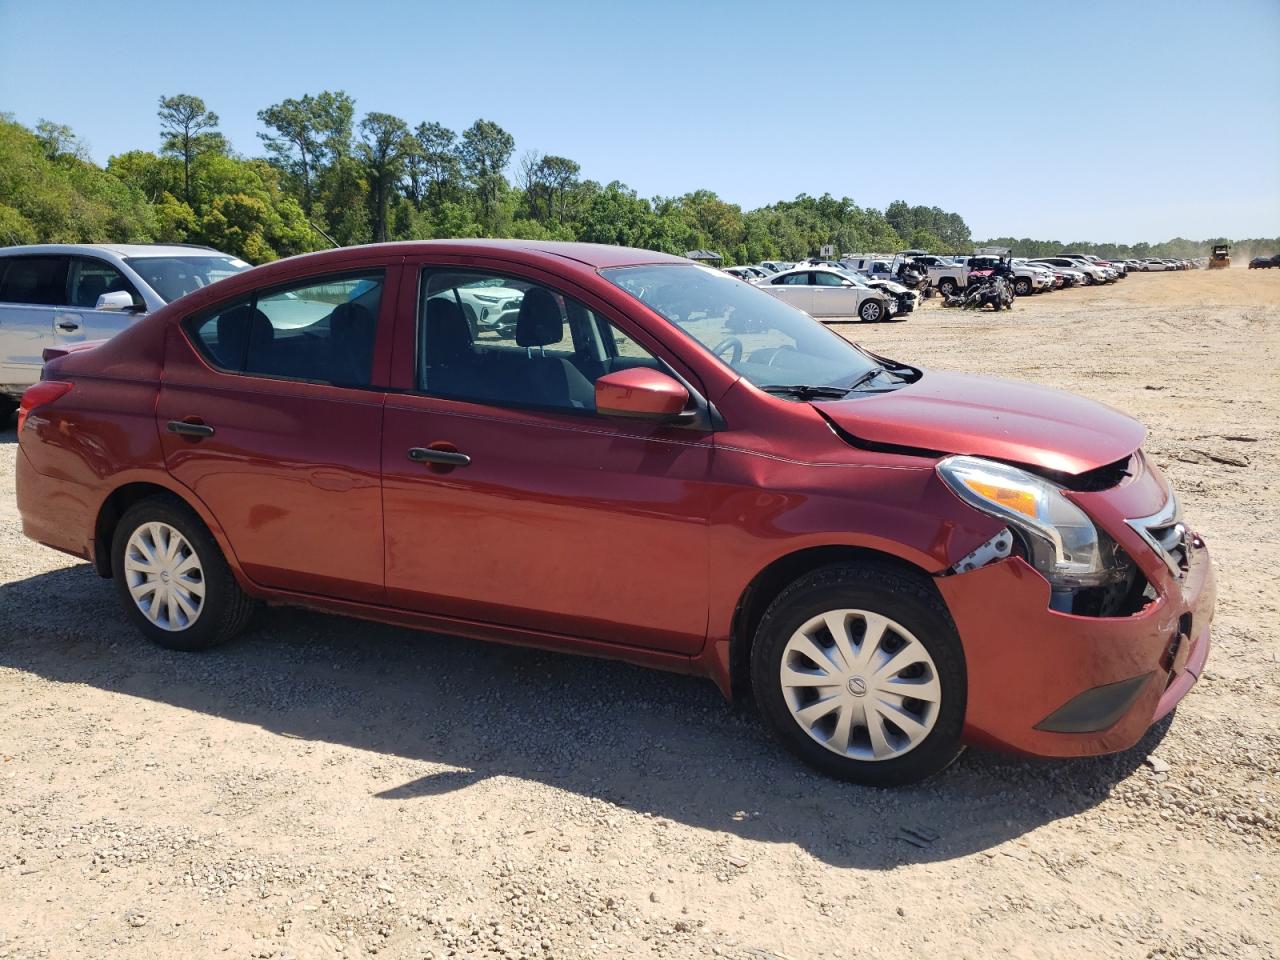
860,684
164,576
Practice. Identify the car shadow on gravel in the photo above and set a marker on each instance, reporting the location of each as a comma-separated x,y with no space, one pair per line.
658,744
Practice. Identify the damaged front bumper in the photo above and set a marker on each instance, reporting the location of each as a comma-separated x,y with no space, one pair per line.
1055,684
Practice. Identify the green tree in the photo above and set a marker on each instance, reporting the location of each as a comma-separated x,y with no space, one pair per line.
484,152
383,149
187,129
305,134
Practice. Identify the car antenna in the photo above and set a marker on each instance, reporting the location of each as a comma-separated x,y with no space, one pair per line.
323,234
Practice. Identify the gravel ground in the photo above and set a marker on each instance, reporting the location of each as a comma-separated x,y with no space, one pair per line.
330,788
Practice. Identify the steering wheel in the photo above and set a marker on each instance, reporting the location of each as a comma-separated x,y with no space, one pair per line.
774,356
732,344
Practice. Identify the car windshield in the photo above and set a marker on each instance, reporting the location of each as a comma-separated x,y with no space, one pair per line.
174,277
760,337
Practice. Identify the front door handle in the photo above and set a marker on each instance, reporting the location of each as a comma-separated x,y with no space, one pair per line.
68,325
434,455
185,429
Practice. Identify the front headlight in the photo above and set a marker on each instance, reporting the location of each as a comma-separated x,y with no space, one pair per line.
1061,541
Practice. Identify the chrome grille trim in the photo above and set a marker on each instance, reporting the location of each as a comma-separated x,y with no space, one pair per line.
1165,533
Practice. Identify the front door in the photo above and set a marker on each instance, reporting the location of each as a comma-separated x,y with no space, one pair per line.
79,319
271,413
540,514
833,296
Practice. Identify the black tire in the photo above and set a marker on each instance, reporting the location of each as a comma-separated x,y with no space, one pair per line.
871,311
1022,287
7,409
947,286
902,597
226,608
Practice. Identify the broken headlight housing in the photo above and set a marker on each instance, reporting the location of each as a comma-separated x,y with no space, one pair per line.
1060,540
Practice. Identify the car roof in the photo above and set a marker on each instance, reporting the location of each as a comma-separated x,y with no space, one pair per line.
596,255
119,249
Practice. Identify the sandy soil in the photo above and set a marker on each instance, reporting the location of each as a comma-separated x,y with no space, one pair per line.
327,788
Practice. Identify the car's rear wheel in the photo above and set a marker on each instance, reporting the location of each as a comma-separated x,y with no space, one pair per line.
859,671
871,311
7,408
173,579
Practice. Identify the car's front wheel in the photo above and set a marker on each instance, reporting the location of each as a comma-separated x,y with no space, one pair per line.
871,311
172,578
1022,287
859,671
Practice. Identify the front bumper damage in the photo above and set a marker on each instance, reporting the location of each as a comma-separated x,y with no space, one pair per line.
1061,685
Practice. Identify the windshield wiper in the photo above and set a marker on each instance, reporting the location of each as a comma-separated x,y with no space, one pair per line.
805,391
865,378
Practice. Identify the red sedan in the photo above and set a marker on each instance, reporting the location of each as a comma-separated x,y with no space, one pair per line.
622,453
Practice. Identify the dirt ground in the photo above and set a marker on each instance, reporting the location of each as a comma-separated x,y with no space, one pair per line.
329,788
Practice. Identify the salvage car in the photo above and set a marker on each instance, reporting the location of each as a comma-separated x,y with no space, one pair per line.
893,562
57,294
830,294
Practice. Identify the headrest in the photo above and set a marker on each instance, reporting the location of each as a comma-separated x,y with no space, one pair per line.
237,328
448,334
539,323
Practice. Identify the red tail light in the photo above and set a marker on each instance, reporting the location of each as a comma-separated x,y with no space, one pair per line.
46,391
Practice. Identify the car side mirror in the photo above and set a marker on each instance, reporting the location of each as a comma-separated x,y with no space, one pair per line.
641,393
119,300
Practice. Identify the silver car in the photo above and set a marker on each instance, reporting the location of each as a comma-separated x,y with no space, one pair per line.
59,294
828,294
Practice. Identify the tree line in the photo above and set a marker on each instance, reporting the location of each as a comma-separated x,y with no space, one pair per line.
327,178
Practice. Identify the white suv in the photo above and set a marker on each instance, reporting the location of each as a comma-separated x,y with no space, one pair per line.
57,294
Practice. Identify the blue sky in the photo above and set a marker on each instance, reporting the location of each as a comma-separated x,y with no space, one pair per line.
1103,121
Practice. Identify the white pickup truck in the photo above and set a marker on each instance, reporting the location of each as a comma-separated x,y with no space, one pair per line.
1027,277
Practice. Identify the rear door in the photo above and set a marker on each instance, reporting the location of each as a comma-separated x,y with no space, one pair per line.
32,292
271,414
795,289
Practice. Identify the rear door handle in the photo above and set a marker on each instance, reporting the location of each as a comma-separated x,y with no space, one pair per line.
185,429
449,458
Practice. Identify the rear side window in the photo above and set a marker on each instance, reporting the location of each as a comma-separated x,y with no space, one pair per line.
322,330
34,280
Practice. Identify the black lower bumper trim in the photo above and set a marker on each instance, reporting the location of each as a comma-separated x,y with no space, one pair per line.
1095,709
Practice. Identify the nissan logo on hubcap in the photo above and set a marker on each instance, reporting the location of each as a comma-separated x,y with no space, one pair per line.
857,686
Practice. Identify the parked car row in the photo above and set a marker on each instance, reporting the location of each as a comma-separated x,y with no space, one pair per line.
1264,263
836,289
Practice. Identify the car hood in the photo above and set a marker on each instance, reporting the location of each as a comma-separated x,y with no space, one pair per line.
987,417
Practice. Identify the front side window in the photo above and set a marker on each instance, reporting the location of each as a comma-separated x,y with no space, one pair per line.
90,279
174,277
490,339
755,334
40,281
321,331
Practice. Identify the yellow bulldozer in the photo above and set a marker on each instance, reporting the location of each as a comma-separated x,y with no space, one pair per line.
1220,260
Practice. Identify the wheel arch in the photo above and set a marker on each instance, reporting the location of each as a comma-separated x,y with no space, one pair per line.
770,581
126,494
